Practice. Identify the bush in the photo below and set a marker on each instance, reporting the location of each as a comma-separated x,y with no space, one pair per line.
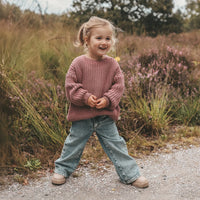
155,69
39,120
188,112
156,82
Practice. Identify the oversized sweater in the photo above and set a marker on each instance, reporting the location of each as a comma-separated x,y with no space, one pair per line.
86,77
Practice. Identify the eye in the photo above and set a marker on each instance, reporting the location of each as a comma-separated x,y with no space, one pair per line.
108,38
98,38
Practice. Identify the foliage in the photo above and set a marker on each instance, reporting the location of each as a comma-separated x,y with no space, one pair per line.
50,62
153,26
155,69
188,112
13,14
159,19
33,164
32,120
149,17
157,81
141,17
162,87
193,10
152,115
32,108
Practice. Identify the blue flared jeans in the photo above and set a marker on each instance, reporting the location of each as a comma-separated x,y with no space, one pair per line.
113,144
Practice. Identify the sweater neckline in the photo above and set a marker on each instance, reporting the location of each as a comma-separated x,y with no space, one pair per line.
93,60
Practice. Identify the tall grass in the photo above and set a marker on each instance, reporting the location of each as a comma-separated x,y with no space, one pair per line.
153,115
44,133
28,127
32,91
188,112
22,47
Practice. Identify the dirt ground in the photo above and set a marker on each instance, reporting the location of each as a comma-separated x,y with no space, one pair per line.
173,176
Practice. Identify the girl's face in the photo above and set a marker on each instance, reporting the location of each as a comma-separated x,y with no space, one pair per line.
99,42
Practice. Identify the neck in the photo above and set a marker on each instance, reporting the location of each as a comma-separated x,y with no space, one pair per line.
95,57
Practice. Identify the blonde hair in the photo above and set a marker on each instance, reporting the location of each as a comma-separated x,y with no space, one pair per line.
85,30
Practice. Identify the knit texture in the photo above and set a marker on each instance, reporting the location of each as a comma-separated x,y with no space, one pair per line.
87,77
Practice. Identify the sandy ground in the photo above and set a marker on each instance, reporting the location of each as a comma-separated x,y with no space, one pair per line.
174,176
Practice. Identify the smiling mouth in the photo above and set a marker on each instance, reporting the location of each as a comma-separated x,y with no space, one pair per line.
103,48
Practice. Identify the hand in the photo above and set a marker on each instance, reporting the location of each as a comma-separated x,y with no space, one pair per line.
101,103
92,101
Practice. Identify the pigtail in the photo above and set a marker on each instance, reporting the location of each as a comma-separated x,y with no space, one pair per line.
81,34
80,37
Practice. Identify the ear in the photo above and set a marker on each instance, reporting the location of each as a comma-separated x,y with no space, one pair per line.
86,40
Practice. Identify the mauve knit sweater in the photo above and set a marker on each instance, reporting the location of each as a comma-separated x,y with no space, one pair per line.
86,77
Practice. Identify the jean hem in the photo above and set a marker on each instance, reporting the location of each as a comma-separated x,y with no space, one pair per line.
131,180
61,173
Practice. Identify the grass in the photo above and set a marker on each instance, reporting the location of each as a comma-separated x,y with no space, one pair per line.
140,146
189,112
46,133
33,64
153,114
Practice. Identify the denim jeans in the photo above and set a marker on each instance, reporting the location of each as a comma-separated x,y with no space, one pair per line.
113,144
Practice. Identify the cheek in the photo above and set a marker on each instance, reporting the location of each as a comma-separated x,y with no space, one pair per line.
94,43
109,45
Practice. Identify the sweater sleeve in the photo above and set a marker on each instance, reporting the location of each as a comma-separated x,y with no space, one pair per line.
115,93
75,92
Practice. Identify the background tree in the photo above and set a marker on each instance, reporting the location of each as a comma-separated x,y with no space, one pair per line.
151,17
193,12
160,19
122,13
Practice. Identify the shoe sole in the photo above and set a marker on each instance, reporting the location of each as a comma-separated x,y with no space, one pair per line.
145,185
57,182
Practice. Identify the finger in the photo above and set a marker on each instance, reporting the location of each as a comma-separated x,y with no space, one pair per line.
94,97
94,100
99,105
92,105
99,100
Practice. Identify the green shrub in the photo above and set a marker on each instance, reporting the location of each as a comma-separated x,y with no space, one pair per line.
188,112
33,164
148,117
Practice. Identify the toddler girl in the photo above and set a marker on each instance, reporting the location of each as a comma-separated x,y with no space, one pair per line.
94,85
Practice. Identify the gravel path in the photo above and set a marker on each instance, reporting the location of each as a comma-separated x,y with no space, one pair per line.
174,176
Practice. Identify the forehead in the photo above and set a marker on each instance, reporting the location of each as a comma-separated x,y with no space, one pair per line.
102,30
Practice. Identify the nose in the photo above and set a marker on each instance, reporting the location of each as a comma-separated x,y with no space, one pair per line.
104,42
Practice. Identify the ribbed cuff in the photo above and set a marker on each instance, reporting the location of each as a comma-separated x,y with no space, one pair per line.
86,97
107,101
